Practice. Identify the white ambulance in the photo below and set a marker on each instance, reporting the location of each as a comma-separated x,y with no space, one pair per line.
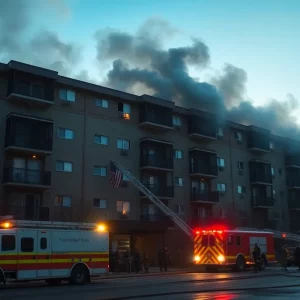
52,251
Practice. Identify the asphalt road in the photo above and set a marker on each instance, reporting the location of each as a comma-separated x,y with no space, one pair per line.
271,284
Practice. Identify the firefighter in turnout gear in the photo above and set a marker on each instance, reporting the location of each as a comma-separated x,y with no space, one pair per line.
256,257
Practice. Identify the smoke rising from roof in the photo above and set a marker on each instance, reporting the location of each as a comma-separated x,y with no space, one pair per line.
140,58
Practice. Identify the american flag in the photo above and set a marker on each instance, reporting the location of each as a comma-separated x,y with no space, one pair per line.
116,176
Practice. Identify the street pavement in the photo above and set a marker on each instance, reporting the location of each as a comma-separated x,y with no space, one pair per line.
269,284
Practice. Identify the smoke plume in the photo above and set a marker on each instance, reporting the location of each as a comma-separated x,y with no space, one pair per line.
43,48
140,59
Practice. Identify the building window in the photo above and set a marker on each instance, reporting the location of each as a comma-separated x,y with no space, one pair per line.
125,110
123,144
178,181
100,171
101,103
67,95
273,171
65,201
240,165
179,209
64,166
221,162
280,171
101,139
100,203
241,189
238,136
176,121
221,187
64,133
178,154
220,132
123,207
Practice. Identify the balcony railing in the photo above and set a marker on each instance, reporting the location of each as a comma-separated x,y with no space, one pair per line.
259,142
30,213
293,182
292,160
205,169
204,196
160,190
156,162
154,217
26,176
262,201
294,204
202,127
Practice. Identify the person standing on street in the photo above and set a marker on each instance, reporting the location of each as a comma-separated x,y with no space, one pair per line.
284,257
256,257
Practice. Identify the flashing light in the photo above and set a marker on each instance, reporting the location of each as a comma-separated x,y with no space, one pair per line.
221,258
6,225
33,156
284,235
126,116
197,232
101,227
197,258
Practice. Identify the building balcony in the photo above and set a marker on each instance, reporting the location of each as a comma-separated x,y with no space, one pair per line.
293,183
292,161
27,134
31,90
156,155
294,203
156,117
260,173
154,217
31,213
202,128
259,142
160,191
263,202
26,178
204,196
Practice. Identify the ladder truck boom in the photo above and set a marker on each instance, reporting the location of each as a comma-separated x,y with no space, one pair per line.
164,208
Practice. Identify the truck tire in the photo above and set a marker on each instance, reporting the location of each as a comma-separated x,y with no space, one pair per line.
240,264
79,274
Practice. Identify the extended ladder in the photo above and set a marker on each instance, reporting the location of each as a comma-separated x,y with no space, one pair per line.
277,234
165,209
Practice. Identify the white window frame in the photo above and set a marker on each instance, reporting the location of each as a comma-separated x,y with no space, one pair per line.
176,120
273,172
65,135
219,160
101,103
103,171
102,203
66,200
241,189
220,131
176,152
126,108
221,187
123,142
178,181
64,168
70,95
123,210
238,136
102,139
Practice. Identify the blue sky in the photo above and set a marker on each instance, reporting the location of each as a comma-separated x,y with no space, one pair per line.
260,36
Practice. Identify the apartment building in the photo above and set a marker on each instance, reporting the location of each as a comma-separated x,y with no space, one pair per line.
58,136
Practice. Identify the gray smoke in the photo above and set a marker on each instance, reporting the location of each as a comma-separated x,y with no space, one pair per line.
140,59
43,48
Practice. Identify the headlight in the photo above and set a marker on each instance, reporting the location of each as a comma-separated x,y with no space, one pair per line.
197,258
221,258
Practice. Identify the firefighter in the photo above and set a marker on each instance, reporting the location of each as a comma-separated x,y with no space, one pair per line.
146,263
256,257
284,257
137,260
297,257
163,258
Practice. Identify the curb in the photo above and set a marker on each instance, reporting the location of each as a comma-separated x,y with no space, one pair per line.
112,276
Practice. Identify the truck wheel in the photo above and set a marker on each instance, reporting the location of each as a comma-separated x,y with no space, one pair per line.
79,275
240,264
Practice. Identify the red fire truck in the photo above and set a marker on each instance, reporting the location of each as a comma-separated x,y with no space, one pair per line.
220,248
52,251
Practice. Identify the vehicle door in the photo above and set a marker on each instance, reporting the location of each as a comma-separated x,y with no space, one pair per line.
27,251
44,254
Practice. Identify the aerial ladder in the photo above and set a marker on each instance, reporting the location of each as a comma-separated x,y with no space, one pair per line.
165,209
182,224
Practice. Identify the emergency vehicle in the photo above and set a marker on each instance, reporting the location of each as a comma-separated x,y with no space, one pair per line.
52,251
220,248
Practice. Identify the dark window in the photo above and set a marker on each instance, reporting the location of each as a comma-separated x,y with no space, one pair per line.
27,244
212,240
8,242
43,243
238,240
205,240
230,240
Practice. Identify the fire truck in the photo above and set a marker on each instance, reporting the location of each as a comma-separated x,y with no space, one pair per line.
233,248
52,251
215,248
